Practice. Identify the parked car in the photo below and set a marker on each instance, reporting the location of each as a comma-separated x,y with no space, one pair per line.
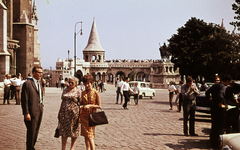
230,141
144,88
203,104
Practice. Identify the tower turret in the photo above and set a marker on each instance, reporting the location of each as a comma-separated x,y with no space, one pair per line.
93,52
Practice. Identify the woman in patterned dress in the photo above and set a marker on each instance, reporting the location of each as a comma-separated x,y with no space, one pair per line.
68,115
91,101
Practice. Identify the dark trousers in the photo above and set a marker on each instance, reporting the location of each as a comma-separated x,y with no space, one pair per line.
126,98
12,89
119,92
171,94
33,129
6,94
180,101
17,94
136,98
218,116
189,110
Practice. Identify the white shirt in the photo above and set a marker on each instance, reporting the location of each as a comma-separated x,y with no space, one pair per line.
136,89
171,88
62,82
16,81
7,82
119,84
125,87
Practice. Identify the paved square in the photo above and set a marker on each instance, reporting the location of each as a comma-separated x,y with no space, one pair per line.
148,126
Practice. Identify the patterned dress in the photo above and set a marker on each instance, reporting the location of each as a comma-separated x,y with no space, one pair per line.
87,98
69,113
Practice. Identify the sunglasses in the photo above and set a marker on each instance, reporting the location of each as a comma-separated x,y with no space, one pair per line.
71,82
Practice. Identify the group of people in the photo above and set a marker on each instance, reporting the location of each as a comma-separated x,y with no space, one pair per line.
224,109
124,89
99,85
12,87
74,111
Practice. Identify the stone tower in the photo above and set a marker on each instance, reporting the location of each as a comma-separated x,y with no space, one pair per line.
23,31
95,54
37,57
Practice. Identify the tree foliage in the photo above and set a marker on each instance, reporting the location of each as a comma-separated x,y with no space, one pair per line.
236,9
201,49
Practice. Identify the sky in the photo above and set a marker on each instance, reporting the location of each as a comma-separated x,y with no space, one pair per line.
127,29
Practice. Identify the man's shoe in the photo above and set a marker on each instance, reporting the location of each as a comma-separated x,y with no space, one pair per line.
194,134
116,103
186,134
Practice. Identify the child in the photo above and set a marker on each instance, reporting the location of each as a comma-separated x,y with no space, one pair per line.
136,95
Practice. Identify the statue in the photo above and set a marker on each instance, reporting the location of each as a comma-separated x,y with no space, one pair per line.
164,51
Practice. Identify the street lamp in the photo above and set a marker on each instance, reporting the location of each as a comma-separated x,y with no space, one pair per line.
75,34
68,64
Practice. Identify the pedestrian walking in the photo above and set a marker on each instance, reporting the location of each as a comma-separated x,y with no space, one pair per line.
218,108
62,84
7,84
32,106
189,93
171,90
43,85
16,82
57,83
136,95
68,114
91,101
179,97
125,90
118,91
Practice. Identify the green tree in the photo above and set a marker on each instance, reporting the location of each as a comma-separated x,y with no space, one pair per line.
236,9
201,49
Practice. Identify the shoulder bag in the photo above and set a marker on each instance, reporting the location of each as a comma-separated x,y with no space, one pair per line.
97,118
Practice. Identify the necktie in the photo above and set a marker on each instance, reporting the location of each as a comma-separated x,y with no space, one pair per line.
39,90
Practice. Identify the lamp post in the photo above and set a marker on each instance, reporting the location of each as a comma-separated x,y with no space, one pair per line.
68,64
75,34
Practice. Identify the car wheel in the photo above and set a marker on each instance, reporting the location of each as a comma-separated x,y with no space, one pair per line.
143,94
140,96
153,94
151,97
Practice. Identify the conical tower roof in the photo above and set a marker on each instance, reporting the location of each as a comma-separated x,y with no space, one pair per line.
93,41
222,25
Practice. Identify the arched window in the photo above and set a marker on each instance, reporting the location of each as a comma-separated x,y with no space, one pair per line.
86,58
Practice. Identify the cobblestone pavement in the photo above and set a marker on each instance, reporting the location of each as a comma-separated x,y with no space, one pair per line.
148,126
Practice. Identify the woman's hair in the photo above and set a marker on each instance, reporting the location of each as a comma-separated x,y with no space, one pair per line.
87,78
73,78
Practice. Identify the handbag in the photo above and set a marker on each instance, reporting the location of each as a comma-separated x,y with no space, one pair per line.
97,118
56,135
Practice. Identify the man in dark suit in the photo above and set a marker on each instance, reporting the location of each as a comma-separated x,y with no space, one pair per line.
32,106
189,93
216,94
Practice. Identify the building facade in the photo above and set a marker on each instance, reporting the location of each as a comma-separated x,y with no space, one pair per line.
158,72
19,44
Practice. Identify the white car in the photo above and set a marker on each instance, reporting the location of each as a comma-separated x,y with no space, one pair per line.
144,88
230,141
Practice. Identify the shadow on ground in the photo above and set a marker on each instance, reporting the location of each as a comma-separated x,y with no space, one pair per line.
186,144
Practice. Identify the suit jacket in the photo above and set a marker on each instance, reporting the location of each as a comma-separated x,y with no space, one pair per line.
30,98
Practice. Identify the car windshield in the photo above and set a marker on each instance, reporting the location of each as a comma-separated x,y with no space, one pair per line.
131,84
